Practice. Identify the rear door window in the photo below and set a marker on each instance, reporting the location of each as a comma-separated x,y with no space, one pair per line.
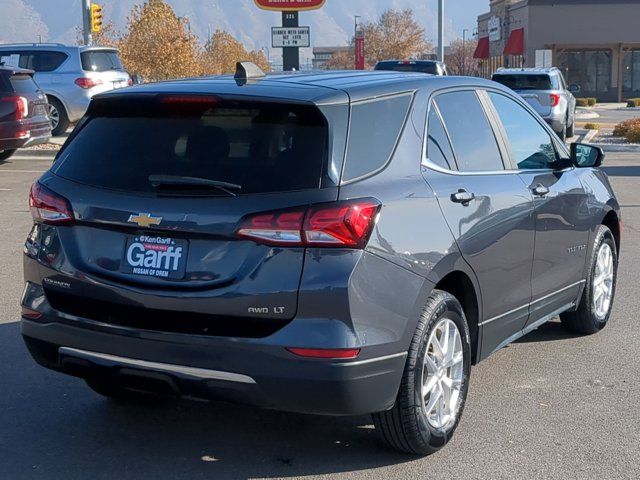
262,147
39,61
438,146
474,142
374,132
100,61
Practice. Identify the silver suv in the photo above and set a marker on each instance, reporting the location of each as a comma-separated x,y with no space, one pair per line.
546,90
69,75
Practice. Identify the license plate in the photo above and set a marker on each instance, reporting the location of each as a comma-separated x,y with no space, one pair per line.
119,84
159,257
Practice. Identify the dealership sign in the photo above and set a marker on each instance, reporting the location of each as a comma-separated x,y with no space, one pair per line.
495,29
290,37
289,5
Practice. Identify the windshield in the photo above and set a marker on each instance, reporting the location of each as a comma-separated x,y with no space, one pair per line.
262,147
525,82
100,61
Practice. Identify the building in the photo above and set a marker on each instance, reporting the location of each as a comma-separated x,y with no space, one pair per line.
595,43
321,55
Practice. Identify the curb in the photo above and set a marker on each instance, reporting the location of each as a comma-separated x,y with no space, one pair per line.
607,147
581,115
589,136
36,153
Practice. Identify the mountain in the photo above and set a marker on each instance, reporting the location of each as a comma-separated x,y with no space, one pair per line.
57,20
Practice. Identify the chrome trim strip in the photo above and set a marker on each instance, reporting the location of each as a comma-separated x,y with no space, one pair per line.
531,303
372,360
201,373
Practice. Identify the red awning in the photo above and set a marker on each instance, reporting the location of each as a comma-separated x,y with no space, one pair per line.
482,50
515,44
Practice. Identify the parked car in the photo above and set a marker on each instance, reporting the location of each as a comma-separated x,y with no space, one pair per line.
69,75
24,120
432,67
546,90
338,243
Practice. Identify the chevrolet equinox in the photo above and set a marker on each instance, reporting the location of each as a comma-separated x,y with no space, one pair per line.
341,244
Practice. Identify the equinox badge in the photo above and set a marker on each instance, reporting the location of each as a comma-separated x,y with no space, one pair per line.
145,220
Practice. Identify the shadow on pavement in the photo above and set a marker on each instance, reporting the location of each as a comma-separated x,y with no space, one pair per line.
622,171
548,332
53,426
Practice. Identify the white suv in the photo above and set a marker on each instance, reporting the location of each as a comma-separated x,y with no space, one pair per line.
69,75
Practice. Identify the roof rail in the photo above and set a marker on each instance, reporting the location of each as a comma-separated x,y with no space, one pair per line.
32,44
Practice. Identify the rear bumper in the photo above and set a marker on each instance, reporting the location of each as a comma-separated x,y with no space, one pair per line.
38,133
219,369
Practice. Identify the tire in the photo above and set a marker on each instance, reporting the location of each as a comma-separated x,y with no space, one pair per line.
117,393
562,134
407,427
571,131
591,316
59,118
5,154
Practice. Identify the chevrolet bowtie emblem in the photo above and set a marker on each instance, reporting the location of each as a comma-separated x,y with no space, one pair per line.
145,220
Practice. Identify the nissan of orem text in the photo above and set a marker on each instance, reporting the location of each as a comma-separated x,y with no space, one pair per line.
343,243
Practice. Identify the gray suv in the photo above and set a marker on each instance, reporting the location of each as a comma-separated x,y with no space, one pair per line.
69,75
340,244
546,90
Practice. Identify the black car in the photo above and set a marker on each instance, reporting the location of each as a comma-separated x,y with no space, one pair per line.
431,67
340,244
24,119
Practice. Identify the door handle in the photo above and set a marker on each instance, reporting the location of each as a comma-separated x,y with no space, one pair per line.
540,190
462,196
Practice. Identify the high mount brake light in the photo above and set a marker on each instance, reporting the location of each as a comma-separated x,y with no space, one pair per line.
49,207
21,105
339,224
84,82
555,99
190,100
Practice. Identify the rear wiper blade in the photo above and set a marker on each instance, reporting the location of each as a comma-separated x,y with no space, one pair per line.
164,181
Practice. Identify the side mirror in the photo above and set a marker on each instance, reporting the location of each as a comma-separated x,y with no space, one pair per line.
574,88
585,156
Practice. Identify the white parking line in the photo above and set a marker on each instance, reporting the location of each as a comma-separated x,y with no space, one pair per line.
23,171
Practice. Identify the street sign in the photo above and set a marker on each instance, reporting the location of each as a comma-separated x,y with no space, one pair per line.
282,37
289,5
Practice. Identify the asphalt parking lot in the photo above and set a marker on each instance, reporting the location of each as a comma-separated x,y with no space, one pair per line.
552,405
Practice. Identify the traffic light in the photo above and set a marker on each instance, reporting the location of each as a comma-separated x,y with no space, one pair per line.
96,17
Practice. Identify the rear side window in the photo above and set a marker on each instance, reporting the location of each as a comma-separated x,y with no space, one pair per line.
527,82
100,61
39,61
474,142
421,67
23,84
261,147
438,146
374,131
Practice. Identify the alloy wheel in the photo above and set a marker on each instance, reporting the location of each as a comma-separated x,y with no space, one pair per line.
442,375
54,115
603,281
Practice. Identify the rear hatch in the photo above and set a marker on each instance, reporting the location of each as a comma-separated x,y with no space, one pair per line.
535,89
23,107
159,186
104,65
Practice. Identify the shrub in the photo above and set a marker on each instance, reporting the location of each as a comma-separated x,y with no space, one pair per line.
623,128
592,126
592,101
633,134
582,102
633,102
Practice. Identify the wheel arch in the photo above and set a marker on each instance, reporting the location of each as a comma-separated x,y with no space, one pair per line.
611,220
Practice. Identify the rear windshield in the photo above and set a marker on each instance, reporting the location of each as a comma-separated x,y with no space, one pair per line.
100,61
261,147
526,82
23,84
431,68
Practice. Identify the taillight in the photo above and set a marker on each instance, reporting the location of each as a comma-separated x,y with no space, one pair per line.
84,82
340,224
130,82
31,314
49,207
326,353
21,106
555,99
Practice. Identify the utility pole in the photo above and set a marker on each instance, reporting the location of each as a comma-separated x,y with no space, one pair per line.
86,21
464,51
441,30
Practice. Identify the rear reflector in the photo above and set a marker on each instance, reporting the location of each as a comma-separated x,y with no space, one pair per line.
49,207
30,314
339,224
84,82
555,99
327,353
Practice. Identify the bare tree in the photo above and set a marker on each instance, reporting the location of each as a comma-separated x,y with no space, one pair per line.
460,59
